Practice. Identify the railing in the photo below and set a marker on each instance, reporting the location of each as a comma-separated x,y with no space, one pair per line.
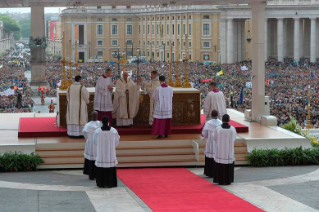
139,10
293,2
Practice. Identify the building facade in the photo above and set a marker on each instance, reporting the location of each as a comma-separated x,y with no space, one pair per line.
54,36
215,33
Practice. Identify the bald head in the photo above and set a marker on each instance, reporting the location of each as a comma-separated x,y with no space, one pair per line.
94,115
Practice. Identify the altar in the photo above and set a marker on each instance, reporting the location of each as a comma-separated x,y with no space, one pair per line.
186,107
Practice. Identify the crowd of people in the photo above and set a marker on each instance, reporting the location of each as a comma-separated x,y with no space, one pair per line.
15,90
286,83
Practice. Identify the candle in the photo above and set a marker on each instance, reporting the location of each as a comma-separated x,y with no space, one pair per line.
70,51
63,45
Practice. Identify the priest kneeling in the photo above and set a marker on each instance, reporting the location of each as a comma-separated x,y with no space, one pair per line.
105,140
163,110
224,137
210,149
90,150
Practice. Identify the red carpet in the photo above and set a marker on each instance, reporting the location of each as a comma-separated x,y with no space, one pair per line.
44,127
40,127
177,189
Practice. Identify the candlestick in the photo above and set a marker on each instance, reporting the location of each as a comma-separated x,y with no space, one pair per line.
64,83
178,82
76,58
170,80
186,81
70,63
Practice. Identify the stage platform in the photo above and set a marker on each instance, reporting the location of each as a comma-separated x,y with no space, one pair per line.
46,127
142,150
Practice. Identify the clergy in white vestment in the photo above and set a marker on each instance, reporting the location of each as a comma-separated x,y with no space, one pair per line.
224,137
77,116
126,100
207,133
89,151
105,140
150,88
163,110
103,96
215,100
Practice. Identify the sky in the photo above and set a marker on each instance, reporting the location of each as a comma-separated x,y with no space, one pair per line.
28,9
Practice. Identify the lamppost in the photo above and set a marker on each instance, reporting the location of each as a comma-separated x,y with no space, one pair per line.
118,55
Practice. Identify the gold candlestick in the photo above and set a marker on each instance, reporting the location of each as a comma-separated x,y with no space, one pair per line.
186,81
76,58
64,83
178,83
70,64
170,80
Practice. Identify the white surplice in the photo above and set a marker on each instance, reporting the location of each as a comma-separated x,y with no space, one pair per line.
207,133
105,143
88,132
77,116
103,96
224,144
150,88
125,106
215,101
164,105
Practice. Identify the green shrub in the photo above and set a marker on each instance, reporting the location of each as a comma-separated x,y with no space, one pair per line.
17,161
284,157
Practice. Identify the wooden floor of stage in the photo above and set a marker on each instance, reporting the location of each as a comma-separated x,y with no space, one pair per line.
9,125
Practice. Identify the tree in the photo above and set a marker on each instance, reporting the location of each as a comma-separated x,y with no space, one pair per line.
10,25
25,28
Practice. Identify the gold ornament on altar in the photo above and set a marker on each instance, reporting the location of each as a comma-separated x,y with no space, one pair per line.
70,82
64,83
170,80
178,83
186,81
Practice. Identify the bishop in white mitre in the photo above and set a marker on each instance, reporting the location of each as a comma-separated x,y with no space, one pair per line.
207,133
78,98
105,140
150,88
224,137
103,96
90,150
215,100
126,101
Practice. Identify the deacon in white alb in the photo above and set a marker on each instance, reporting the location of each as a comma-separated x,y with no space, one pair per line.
126,100
105,140
207,133
77,116
103,95
224,137
90,151
214,100
150,88
163,110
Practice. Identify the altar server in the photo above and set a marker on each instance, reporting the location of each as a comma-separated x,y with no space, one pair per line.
103,95
150,88
207,133
90,151
77,116
224,137
126,100
105,140
163,109
214,100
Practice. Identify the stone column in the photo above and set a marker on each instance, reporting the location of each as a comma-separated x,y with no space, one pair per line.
258,60
297,39
38,60
222,41
266,39
230,41
280,39
313,40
